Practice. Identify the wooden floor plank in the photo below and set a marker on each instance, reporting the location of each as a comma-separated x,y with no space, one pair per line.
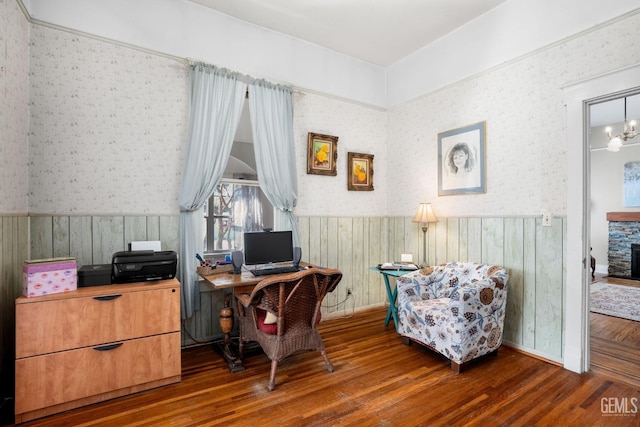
377,381
615,342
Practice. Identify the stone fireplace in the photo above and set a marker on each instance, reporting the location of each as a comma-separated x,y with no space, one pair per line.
624,244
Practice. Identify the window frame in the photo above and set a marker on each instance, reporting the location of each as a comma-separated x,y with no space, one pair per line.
207,216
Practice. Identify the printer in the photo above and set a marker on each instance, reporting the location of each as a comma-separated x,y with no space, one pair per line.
143,265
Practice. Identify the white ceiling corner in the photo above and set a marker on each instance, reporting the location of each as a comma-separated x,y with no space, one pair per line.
379,32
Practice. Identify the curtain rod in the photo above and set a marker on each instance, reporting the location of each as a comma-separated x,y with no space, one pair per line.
246,78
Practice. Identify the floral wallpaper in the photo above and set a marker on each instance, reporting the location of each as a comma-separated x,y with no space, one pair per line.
14,104
523,106
108,126
359,129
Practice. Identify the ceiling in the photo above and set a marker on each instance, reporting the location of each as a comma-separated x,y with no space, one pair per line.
379,32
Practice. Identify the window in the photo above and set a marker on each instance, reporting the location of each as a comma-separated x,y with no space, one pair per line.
236,206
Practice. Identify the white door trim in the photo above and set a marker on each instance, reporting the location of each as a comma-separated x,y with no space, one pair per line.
576,305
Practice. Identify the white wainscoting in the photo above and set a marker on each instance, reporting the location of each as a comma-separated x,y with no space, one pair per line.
534,256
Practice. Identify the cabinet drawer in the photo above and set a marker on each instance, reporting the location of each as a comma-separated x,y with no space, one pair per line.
52,379
69,323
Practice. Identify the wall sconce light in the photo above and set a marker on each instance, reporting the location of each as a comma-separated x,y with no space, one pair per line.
424,216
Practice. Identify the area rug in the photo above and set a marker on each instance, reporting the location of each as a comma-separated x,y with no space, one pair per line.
615,300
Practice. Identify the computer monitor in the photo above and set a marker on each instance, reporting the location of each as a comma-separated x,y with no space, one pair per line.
268,247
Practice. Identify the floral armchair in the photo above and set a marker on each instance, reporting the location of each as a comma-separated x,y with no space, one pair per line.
456,309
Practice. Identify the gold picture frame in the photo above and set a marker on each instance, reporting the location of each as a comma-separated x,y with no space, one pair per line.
322,154
360,172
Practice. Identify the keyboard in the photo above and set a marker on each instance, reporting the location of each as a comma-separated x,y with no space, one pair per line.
274,270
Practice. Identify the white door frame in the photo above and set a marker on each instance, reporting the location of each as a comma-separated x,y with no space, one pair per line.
576,304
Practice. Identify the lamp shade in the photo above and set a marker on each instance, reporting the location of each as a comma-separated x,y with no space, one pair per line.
614,144
425,214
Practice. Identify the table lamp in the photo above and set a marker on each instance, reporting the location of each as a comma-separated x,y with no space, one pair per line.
424,216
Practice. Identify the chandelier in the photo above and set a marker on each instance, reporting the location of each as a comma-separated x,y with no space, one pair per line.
615,142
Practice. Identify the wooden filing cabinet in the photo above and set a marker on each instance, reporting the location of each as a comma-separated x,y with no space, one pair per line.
94,344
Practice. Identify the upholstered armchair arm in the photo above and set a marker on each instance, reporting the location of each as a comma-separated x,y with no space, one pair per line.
412,287
481,300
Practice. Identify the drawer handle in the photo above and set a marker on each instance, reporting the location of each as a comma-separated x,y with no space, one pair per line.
107,347
107,297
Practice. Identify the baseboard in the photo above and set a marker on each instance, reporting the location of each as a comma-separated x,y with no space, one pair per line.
554,360
348,313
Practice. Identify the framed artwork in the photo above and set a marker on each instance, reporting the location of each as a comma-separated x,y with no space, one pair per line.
322,154
631,184
360,172
461,160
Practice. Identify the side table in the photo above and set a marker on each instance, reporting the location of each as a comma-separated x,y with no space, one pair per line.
392,294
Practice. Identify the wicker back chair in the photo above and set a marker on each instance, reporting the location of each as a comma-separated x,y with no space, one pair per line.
295,301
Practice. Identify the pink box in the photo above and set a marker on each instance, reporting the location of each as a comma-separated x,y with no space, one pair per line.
49,277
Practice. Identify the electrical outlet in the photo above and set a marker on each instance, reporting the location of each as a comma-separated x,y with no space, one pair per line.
546,219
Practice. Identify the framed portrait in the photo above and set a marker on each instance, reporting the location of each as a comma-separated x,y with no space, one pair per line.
461,160
360,172
322,154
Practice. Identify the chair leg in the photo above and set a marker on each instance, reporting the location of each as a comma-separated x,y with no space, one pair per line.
327,361
456,367
272,379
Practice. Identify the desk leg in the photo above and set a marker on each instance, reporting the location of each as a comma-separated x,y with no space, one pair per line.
234,361
393,310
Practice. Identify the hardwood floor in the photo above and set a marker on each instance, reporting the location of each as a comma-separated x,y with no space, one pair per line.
615,342
377,381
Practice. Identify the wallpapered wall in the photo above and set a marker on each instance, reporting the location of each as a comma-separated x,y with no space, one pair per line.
523,106
108,126
119,116
359,129
14,101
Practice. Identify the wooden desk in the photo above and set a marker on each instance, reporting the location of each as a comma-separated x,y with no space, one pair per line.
239,282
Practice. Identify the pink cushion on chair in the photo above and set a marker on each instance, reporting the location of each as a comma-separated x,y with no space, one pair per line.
267,328
272,328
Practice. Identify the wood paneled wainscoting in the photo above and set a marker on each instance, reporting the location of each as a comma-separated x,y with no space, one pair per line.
534,256
14,249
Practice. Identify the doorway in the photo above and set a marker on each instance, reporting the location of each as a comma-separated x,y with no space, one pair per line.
579,97
614,341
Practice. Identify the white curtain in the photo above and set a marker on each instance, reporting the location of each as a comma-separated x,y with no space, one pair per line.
216,103
271,110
